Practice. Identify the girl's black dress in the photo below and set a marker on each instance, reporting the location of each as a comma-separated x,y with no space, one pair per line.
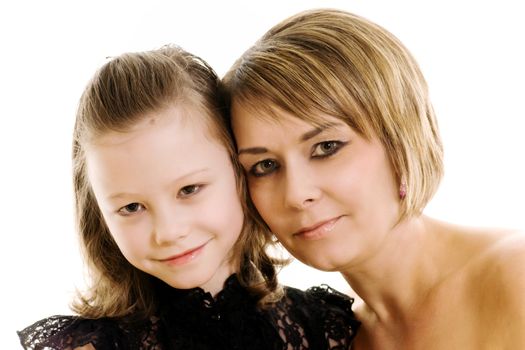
319,318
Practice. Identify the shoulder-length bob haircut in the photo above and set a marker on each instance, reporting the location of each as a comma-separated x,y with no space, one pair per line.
330,62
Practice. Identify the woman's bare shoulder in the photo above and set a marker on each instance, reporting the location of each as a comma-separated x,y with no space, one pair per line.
505,257
505,262
499,286
499,258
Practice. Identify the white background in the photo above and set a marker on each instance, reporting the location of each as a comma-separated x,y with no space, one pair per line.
472,53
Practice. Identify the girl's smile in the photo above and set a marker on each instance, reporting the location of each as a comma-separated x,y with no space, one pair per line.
185,257
168,193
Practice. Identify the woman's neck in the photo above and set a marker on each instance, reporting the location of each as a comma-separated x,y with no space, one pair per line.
404,272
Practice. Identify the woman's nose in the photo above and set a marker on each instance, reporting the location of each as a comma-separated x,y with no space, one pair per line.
300,188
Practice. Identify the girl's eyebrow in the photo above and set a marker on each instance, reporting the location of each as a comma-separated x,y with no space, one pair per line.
120,195
304,137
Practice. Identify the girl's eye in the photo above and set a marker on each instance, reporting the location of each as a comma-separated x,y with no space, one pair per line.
264,167
326,148
131,209
189,190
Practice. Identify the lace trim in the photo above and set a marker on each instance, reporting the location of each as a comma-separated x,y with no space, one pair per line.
320,318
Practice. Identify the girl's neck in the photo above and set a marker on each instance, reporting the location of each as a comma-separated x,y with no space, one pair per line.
216,282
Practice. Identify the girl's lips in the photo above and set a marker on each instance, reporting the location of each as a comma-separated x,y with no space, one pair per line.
185,257
317,231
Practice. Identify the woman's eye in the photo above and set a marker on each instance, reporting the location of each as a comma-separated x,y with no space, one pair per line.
326,148
130,209
189,190
264,167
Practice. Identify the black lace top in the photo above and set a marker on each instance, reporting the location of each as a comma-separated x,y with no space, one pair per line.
319,318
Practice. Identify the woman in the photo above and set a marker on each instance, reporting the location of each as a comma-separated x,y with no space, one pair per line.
341,148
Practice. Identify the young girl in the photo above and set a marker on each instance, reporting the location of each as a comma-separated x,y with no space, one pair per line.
175,262
341,149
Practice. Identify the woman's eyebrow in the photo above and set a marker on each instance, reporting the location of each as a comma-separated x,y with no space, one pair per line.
252,150
316,131
304,137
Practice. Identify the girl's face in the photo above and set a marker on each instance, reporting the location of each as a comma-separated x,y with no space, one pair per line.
168,194
327,193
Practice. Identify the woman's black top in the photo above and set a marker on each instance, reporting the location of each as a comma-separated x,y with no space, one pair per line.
319,318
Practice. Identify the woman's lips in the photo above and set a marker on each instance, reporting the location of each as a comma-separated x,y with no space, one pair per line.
318,230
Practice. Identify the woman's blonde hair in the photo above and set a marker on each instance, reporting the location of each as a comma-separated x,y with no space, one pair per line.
330,62
122,92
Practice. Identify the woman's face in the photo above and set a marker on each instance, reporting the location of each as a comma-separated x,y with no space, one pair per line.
168,194
327,193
